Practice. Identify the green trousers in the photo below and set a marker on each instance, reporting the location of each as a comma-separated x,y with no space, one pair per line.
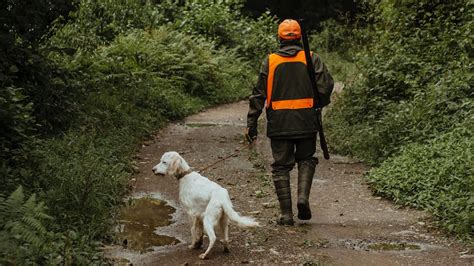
287,152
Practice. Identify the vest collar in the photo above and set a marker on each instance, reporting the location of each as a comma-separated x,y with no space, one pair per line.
290,43
289,49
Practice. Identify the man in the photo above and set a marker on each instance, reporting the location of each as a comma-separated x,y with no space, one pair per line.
284,88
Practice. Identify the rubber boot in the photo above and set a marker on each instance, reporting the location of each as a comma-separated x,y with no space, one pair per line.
283,191
305,180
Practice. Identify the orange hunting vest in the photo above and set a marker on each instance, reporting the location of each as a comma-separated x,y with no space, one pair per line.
273,61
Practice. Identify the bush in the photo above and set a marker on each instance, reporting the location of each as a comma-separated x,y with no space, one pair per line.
16,122
28,235
159,73
410,108
404,92
82,178
224,25
339,37
23,231
98,22
437,176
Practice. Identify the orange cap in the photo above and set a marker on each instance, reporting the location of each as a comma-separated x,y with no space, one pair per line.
289,29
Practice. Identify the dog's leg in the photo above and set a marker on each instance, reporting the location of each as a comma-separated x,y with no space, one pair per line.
199,233
196,233
225,227
209,228
193,233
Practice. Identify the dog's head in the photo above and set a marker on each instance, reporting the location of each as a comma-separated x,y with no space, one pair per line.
171,164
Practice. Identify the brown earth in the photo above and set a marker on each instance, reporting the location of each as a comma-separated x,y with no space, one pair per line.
350,226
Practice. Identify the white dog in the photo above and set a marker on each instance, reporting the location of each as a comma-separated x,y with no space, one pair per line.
207,203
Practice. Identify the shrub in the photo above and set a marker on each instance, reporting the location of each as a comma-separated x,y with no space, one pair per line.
29,236
82,178
98,22
16,122
224,25
410,108
437,176
23,230
155,75
404,92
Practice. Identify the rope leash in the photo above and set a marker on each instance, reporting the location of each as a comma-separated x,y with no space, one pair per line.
237,151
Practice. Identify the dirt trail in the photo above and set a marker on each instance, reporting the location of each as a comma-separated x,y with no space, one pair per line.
350,226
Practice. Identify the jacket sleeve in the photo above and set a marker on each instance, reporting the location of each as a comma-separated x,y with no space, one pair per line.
324,80
258,97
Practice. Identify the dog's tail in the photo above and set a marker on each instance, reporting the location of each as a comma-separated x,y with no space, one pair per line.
241,221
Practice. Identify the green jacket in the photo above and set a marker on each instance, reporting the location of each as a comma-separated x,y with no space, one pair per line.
290,82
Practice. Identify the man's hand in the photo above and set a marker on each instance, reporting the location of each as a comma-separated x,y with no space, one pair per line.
251,134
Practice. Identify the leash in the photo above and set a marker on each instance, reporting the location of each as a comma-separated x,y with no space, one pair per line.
237,151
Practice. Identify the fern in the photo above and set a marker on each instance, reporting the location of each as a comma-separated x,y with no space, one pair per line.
23,234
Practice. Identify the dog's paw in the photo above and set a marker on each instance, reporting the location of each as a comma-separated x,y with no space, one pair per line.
226,250
196,245
202,256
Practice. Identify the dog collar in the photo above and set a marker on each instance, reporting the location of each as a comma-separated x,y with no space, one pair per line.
185,173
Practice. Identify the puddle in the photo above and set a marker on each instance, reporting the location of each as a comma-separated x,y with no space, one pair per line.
393,246
139,220
396,246
193,125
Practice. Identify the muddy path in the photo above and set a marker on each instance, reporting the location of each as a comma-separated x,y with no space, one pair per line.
350,226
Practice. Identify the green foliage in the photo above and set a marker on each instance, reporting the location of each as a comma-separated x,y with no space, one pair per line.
437,176
96,23
340,37
224,25
191,64
315,12
26,237
28,21
31,88
409,109
144,78
83,177
341,69
384,126
405,92
15,127
23,230
23,66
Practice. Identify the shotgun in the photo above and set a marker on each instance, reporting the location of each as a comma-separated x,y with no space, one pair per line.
310,67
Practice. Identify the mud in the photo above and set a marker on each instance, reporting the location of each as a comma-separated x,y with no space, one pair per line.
350,226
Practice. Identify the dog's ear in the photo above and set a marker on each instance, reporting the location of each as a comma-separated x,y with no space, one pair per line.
175,166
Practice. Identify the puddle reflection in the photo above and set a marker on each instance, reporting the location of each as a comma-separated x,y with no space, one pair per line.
138,221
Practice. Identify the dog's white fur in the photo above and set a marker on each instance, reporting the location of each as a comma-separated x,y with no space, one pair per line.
207,203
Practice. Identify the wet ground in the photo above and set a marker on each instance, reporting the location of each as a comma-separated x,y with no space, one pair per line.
350,226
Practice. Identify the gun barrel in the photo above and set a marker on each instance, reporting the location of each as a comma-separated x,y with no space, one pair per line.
310,67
